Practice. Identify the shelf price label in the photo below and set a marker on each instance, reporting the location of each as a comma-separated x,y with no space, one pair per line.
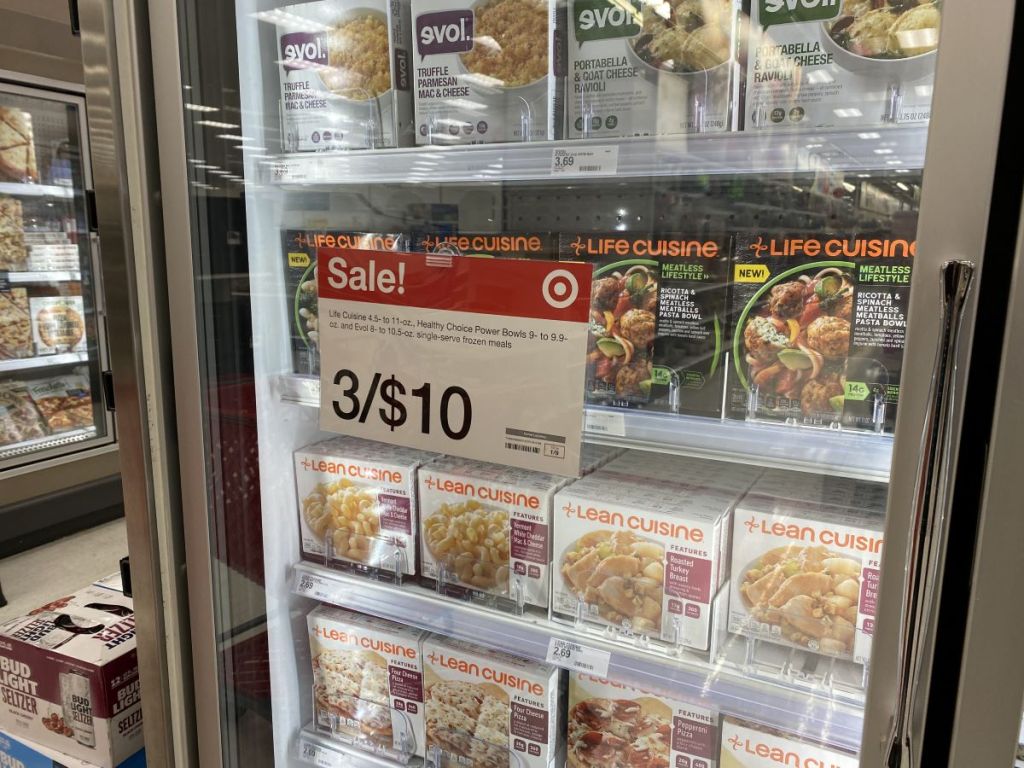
585,161
572,655
313,586
318,755
482,358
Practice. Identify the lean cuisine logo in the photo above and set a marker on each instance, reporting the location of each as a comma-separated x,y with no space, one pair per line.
815,534
788,755
634,522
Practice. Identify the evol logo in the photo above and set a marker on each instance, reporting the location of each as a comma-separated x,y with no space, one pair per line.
796,11
302,50
444,32
606,19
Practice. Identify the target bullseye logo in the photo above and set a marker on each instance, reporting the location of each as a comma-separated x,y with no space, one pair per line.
560,288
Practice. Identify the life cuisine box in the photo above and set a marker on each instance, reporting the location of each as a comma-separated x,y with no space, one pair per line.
611,723
840,63
657,320
747,746
488,709
301,296
357,503
641,554
506,245
344,71
69,677
488,71
820,326
642,69
367,681
805,575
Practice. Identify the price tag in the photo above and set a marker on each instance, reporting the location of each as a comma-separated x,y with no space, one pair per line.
585,161
603,423
482,358
317,755
570,654
313,586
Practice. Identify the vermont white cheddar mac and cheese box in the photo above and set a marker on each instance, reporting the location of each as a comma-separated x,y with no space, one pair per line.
357,502
483,707
744,746
367,680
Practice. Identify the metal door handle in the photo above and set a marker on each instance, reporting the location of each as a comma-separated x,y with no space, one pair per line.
929,523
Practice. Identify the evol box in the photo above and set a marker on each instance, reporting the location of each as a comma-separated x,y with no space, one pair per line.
806,576
484,706
344,72
744,746
641,727
368,680
357,502
69,677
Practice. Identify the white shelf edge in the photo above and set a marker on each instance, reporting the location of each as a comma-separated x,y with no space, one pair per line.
43,443
42,361
314,748
28,189
17,278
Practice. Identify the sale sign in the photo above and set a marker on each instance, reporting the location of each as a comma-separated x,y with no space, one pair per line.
481,358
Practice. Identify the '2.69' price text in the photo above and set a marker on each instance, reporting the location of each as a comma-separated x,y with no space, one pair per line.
393,410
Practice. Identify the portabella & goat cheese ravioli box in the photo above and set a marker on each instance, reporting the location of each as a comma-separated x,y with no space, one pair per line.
747,746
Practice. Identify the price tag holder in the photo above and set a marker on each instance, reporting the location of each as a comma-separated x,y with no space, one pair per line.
313,586
572,655
585,161
318,755
603,423
481,358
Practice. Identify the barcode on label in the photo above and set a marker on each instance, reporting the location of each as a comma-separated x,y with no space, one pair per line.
525,448
589,168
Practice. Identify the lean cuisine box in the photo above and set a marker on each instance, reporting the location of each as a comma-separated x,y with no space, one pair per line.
488,709
657,320
488,71
819,330
639,69
744,746
840,63
344,71
367,680
69,677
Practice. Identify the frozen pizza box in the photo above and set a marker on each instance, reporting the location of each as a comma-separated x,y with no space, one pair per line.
69,677
640,554
488,709
65,402
23,753
840,63
748,746
58,324
488,71
344,73
502,245
806,576
819,329
485,529
642,69
20,420
13,255
636,727
657,320
822,489
367,681
15,324
357,504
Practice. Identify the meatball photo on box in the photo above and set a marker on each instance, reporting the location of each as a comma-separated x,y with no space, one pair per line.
820,329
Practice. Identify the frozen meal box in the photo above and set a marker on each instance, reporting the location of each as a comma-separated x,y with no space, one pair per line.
58,324
611,723
15,324
820,326
822,489
17,146
301,297
488,71
357,503
806,576
640,554
367,681
69,677
65,402
501,245
486,528
344,72
657,320
19,418
840,63
13,255
747,746
488,709
642,69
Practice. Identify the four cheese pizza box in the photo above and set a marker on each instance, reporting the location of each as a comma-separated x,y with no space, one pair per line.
23,753
367,681
747,746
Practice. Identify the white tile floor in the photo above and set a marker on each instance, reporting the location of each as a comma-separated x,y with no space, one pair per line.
53,570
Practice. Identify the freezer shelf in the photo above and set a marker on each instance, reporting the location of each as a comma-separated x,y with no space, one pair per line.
45,443
859,455
791,709
20,278
20,189
46,361
317,749
882,149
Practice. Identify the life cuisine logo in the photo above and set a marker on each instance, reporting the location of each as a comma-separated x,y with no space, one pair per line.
640,247
838,248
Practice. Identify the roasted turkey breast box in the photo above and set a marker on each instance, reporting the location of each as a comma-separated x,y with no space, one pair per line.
69,677
744,746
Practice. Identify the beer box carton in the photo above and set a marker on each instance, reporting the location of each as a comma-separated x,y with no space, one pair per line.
484,706
657,326
344,74
367,681
806,576
640,69
503,245
488,71
300,247
21,753
658,729
485,529
641,554
747,746
819,330
840,63
357,503
822,489
69,677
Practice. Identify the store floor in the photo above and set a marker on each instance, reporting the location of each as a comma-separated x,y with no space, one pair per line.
36,576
